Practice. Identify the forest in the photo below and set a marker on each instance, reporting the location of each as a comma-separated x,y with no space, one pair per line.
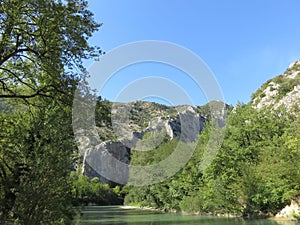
255,173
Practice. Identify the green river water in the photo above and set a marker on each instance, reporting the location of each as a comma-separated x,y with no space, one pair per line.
114,215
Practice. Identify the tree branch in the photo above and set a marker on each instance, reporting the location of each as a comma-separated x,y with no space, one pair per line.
17,77
23,96
20,50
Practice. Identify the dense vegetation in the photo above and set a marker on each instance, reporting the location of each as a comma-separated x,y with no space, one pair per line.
255,172
42,45
90,191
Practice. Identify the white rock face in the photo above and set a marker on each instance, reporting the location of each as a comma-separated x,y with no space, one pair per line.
289,210
190,126
294,63
169,130
271,91
103,158
293,75
291,98
103,161
145,132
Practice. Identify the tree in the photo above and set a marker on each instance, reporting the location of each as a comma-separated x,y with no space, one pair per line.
253,165
42,47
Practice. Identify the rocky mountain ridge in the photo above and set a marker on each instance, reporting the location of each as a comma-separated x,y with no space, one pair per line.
143,126
282,90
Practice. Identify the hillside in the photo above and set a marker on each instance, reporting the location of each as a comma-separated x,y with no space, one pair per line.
144,126
256,169
282,90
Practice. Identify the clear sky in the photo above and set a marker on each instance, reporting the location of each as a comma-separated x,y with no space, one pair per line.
243,42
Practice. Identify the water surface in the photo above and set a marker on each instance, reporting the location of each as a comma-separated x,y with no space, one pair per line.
114,215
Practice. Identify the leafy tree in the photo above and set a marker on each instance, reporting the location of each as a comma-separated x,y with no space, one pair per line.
41,45
251,165
42,48
36,189
86,190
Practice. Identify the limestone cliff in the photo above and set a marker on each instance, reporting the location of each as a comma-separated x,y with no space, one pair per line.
290,210
131,124
282,90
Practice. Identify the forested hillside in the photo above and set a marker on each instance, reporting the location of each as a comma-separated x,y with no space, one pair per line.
256,171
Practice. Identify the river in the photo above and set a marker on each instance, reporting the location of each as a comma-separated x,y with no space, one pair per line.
115,215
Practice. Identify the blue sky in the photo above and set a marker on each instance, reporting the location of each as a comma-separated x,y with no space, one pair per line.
244,43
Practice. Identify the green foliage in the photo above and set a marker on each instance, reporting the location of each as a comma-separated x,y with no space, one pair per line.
34,173
255,172
41,49
296,216
142,158
251,163
41,61
103,113
287,85
151,140
86,190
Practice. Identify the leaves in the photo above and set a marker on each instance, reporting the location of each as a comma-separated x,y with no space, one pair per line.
256,170
42,47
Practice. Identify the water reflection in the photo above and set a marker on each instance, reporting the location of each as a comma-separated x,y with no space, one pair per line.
114,215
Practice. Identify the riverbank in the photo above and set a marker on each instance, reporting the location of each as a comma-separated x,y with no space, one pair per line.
229,215
139,208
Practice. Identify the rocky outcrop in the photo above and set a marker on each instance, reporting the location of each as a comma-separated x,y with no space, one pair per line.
268,99
289,211
187,125
283,90
102,161
291,99
132,122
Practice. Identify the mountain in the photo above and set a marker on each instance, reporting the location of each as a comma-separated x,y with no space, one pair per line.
282,90
144,125
131,121
255,171
141,125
